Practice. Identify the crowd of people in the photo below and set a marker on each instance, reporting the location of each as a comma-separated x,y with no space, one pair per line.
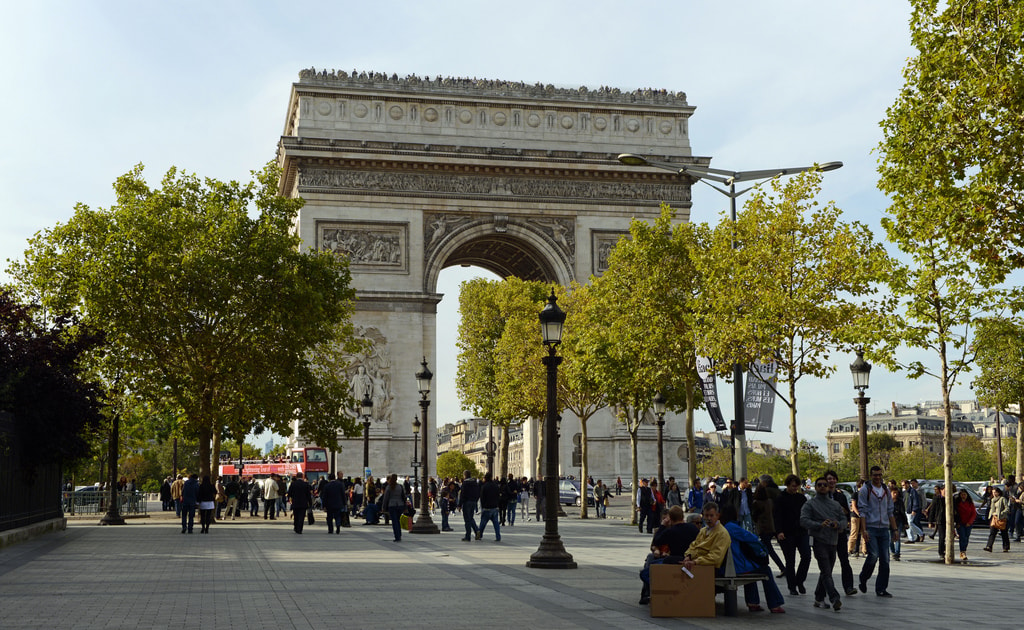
879,518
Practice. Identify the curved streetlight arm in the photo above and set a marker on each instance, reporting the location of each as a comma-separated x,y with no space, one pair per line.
720,175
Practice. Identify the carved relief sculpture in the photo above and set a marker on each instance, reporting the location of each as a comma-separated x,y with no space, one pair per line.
370,374
368,246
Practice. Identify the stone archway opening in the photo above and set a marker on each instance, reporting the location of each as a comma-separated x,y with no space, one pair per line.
503,256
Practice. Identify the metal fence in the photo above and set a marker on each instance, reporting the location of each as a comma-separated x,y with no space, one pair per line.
90,501
27,494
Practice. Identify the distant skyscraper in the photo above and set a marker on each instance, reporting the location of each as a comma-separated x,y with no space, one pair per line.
269,446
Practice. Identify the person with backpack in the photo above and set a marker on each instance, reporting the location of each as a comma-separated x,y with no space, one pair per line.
751,558
644,507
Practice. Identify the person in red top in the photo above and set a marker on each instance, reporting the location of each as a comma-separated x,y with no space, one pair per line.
965,513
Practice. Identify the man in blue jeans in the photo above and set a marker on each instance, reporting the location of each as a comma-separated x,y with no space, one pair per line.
468,497
875,505
490,497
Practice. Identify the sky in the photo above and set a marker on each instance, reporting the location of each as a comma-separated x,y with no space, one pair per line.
94,88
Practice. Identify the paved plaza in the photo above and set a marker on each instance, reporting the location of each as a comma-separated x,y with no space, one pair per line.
257,574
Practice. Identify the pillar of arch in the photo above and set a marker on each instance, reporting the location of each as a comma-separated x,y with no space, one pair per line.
408,176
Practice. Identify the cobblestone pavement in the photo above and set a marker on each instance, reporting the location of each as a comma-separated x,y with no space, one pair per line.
256,574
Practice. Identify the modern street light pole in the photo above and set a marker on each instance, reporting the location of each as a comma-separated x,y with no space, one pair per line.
551,554
660,405
861,371
424,524
729,178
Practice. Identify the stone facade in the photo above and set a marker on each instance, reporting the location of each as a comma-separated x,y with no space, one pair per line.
408,176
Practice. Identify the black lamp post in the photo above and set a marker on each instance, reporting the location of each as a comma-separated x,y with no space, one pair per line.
366,410
660,405
861,371
424,524
551,554
707,174
490,449
415,458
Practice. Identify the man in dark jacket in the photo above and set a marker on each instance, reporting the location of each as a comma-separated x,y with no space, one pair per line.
189,499
468,498
669,546
490,497
333,498
300,497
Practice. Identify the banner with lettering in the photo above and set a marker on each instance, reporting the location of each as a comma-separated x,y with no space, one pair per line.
759,398
710,389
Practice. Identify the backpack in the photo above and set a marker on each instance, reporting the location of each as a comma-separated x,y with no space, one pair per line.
646,497
754,551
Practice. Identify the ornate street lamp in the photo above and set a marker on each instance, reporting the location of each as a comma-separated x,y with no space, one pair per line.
551,554
366,411
707,174
424,524
861,371
660,405
415,459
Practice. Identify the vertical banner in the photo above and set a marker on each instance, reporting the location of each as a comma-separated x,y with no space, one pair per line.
759,398
710,390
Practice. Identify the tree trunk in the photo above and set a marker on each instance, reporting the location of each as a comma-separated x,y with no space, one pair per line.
947,455
794,443
503,464
583,468
1019,469
215,458
691,439
632,428
204,451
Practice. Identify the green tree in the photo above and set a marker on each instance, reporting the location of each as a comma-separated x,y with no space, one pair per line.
56,408
914,463
972,460
999,347
453,464
664,285
881,448
953,147
578,389
499,375
209,308
783,283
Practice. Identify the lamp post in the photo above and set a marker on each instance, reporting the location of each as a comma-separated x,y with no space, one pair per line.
424,524
366,410
659,408
490,449
861,371
415,459
707,174
551,554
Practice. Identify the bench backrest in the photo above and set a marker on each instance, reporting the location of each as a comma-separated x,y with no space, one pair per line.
728,566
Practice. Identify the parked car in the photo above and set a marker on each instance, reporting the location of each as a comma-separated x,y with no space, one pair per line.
982,518
569,492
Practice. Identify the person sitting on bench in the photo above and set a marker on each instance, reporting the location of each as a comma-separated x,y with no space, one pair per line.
670,544
750,558
712,543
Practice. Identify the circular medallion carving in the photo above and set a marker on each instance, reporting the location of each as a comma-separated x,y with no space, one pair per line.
600,123
430,114
665,127
499,118
567,122
360,110
533,120
324,108
633,124
465,116
396,112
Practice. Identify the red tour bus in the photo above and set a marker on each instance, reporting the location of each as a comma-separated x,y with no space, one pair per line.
310,461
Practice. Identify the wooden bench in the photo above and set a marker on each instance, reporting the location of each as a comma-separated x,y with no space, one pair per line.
729,583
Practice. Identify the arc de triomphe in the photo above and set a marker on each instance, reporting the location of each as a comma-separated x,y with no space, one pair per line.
408,176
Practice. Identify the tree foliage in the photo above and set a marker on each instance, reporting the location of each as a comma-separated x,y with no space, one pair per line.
453,464
999,347
211,311
500,376
55,406
783,283
953,147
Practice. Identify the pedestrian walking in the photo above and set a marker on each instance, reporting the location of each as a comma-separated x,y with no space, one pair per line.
824,519
875,505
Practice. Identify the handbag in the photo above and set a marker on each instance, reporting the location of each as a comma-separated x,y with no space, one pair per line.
309,515
999,523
